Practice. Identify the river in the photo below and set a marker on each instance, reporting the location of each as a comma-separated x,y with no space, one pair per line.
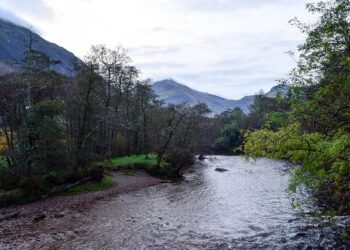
246,207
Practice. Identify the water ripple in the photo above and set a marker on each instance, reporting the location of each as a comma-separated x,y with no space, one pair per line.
246,207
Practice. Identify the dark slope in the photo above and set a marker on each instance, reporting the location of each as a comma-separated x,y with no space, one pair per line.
13,42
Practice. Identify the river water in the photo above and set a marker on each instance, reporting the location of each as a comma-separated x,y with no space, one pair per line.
246,207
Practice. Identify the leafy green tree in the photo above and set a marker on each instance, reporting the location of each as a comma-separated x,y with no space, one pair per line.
230,139
325,161
229,126
317,131
45,134
83,116
181,135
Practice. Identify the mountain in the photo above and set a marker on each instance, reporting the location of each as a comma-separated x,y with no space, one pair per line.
13,42
172,92
278,89
175,93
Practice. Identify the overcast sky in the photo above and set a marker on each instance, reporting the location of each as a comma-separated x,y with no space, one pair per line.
230,48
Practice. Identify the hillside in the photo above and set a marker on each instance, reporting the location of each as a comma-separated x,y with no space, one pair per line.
172,92
175,93
13,42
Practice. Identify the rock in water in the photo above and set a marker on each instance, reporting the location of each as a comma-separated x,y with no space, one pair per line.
221,169
201,157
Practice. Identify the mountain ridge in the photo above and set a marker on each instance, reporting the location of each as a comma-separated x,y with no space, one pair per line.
14,40
172,92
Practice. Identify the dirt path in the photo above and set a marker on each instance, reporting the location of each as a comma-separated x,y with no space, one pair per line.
26,227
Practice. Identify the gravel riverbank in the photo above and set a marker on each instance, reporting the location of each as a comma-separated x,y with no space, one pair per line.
24,226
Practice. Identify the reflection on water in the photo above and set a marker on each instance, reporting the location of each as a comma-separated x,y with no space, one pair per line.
246,207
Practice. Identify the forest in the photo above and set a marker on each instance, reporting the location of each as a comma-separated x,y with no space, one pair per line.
57,129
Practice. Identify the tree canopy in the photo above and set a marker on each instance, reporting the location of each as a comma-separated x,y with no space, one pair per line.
316,133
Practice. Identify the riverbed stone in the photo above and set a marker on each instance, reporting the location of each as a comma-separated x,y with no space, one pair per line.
59,215
77,215
39,217
221,169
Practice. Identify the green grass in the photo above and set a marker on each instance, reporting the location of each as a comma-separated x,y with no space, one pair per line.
127,161
131,164
106,182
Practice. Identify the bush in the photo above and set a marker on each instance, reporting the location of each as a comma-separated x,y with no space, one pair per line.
9,178
324,161
178,161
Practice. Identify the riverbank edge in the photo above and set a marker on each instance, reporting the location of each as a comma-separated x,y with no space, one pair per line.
62,205
97,178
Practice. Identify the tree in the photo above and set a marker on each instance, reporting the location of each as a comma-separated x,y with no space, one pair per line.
181,135
112,66
317,131
230,124
144,95
84,116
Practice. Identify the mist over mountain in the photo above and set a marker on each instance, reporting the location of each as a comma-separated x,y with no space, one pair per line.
14,40
172,92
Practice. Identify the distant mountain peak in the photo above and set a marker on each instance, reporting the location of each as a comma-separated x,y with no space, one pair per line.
170,83
172,92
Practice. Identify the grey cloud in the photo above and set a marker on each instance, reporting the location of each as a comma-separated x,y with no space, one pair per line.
159,29
155,65
9,16
152,50
271,39
226,5
38,7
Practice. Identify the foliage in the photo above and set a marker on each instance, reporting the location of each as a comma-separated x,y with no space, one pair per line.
228,128
275,120
265,112
46,149
181,137
344,234
230,139
317,132
325,161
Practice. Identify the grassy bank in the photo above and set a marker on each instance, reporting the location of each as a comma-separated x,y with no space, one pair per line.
131,164
18,190
94,179
105,183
